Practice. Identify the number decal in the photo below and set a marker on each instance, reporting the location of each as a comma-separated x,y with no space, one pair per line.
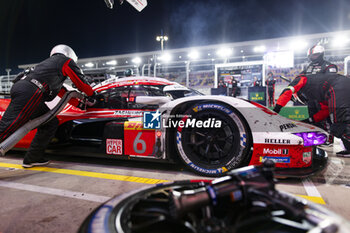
138,141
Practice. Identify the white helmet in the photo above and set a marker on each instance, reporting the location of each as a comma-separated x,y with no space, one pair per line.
65,50
316,52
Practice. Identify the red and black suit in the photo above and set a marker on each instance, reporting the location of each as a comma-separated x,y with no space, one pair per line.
331,91
30,92
270,83
319,66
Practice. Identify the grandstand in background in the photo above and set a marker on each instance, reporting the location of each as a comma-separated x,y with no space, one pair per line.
199,73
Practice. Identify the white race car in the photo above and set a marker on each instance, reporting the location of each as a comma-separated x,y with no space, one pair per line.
148,118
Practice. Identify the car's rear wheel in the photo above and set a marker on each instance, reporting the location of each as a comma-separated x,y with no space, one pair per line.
213,150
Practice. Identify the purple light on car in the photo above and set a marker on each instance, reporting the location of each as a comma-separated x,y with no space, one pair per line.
313,138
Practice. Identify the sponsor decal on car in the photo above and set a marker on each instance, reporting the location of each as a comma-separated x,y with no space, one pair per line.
307,157
275,159
287,126
211,106
133,125
114,146
275,151
277,141
128,113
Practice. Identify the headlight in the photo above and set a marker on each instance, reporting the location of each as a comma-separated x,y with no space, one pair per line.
313,138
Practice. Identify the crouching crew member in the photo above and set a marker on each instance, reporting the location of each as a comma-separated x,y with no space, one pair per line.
29,93
331,91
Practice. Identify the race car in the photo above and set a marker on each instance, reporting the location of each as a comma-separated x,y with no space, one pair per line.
154,119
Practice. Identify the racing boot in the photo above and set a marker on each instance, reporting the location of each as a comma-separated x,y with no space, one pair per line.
344,153
36,151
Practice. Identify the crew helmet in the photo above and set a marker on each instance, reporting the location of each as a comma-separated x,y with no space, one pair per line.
315,53
129,72
65,50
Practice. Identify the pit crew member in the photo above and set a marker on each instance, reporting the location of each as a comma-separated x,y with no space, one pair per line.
32,89
270,83
331,91
317,65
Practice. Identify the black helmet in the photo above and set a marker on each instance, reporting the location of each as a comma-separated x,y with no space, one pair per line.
129,72
315,53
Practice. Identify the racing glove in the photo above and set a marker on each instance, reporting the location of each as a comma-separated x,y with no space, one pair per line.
277,108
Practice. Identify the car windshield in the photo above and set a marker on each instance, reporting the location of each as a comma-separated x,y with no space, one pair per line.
180,93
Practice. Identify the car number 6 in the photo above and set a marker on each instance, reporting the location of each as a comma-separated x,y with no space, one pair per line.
139,141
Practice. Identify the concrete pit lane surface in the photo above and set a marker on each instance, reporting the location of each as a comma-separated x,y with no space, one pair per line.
59,196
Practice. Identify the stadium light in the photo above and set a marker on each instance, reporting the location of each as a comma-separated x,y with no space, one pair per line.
193,54
224,52
340,41
111,63
297,45
162,39
89,64
166,57
136,60
258,49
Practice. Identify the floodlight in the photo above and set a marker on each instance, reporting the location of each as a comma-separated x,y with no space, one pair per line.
298,44
166,57
111,63
259,49
224,52
340,40
89,64
136,60
193,54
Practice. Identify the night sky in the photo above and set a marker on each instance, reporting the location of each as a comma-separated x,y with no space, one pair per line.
30,28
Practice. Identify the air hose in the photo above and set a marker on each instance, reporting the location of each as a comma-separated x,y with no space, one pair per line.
14,138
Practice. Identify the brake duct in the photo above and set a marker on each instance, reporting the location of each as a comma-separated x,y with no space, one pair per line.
14,138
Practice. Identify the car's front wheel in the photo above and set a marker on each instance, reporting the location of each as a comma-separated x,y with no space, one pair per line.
221,142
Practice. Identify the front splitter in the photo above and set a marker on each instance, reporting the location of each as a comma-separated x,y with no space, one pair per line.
319,162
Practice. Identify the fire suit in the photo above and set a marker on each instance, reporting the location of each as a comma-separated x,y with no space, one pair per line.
30,92
319,66
270,83
331,91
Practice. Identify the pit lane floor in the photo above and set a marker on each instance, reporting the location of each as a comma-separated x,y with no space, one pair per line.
59,196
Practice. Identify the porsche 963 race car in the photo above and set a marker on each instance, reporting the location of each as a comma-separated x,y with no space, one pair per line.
147,118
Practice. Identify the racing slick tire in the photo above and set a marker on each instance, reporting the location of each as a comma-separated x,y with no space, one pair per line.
143,210
213,150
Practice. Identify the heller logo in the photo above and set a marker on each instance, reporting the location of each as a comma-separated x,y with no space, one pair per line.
276,151
277,141
151,120
114,146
